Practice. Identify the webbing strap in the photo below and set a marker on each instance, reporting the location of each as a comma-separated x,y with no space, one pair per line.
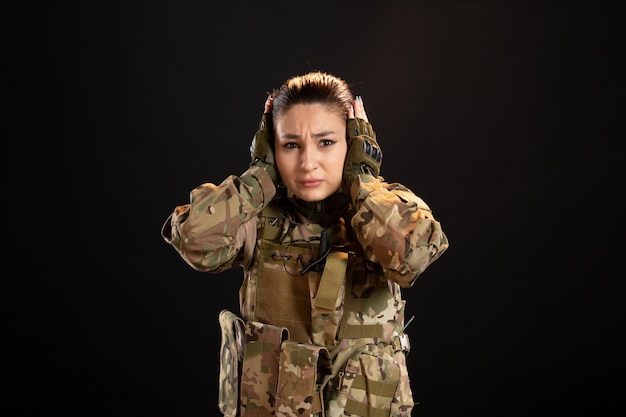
332,277
318,401
358,331
360,409
380,388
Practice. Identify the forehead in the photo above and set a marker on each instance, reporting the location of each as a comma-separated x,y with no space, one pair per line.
310,114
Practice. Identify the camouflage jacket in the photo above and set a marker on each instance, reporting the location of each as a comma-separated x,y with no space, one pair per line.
394,226
322,281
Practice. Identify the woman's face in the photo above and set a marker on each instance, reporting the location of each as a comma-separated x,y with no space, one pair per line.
310,150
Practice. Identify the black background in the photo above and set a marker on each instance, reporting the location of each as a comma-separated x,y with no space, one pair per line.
504,116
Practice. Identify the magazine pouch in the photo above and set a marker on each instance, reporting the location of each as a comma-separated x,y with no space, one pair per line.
231,356
367,386
303,369
259,374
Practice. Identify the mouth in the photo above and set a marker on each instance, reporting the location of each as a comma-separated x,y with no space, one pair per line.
310,183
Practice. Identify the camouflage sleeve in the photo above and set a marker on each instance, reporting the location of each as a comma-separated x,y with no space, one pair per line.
210,231
396,228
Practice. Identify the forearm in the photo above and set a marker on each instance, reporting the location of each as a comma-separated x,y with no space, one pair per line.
208,231
396,228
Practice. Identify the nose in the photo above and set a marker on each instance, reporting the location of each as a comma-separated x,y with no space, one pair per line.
309,158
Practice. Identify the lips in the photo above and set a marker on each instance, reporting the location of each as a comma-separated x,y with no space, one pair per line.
310,182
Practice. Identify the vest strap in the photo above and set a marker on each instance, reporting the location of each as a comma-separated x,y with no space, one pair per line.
360,409
359,331
372,387
318,401
332,278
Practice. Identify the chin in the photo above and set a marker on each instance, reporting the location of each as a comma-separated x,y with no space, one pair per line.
311,195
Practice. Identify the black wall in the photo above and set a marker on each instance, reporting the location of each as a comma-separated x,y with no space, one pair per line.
504,117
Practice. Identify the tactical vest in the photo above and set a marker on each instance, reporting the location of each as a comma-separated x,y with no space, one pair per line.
321,331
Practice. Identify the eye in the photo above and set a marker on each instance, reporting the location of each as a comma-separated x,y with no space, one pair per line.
290,145
326,142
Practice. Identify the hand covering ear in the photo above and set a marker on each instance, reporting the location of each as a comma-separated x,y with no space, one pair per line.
364,155
261,148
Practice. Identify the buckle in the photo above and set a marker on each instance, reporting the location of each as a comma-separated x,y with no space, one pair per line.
404,342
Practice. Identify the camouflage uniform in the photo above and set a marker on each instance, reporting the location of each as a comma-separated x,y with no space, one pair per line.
326,340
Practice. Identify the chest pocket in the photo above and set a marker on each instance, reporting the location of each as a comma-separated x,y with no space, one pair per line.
283,295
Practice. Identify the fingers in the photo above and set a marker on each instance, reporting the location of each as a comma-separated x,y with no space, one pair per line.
358,109
268,104
351,112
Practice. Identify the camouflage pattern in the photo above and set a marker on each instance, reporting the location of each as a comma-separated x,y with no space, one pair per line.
368,385
387,237
231,356
276,293
403,403
325,322
302,367
210,232
396,229
260,368
371,313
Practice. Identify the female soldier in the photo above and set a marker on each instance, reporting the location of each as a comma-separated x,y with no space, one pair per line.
326,245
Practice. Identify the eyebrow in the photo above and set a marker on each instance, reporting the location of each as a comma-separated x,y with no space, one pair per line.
321,134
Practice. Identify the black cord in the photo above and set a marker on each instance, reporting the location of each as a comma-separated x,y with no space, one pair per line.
318,264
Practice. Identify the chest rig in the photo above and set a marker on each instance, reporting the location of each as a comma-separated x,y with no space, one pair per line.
321,332
314,281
